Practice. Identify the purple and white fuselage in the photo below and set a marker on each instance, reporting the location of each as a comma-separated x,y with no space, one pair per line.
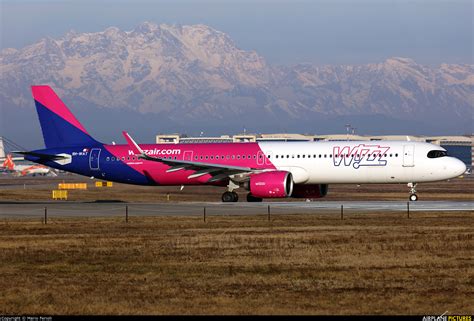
265,169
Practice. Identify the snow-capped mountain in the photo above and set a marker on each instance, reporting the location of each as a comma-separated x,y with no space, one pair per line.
189,75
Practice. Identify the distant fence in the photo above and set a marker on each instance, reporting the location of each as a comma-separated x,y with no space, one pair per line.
109,210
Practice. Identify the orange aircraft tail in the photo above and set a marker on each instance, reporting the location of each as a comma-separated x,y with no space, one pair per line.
8,163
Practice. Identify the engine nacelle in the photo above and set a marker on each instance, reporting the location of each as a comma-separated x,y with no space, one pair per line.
276,184
310,191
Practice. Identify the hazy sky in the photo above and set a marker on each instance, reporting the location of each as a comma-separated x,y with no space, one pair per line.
284,32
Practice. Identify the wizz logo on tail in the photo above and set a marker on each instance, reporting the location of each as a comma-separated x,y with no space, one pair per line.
360,155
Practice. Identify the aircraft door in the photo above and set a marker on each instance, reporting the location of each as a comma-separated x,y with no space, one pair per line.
94,159
409,155
260,158
188,155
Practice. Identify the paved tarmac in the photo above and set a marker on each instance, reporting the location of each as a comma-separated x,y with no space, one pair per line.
83,209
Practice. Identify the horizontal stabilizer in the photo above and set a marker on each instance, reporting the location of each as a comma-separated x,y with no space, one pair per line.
41,155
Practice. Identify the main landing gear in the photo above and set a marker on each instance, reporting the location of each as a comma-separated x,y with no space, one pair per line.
413,196
230,197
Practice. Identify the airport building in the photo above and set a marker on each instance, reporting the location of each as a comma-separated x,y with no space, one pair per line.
457,146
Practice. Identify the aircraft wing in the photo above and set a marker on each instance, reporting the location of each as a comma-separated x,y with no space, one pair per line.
217,171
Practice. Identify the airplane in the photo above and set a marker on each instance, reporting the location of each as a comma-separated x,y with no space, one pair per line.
23,170
264,169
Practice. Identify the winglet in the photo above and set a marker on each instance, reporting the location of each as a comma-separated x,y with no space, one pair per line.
131,143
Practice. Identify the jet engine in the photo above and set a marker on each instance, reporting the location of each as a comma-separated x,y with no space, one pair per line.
275,184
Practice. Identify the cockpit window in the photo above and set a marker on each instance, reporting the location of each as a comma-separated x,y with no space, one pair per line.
437,153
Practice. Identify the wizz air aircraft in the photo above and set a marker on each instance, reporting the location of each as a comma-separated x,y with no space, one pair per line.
265,169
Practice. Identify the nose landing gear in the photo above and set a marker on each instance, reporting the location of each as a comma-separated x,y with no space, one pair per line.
413,196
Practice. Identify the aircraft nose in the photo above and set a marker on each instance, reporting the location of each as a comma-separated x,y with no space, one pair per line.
458,167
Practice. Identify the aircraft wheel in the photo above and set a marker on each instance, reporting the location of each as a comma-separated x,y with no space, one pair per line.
251,198
230,197
413,197
236,197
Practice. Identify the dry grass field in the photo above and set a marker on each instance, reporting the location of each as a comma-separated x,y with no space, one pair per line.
379,263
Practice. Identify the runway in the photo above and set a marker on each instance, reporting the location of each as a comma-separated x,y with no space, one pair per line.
84,209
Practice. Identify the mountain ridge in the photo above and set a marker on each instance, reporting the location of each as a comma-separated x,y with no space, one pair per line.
188,74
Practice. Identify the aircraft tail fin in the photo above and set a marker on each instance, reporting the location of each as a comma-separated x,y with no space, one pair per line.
60,127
